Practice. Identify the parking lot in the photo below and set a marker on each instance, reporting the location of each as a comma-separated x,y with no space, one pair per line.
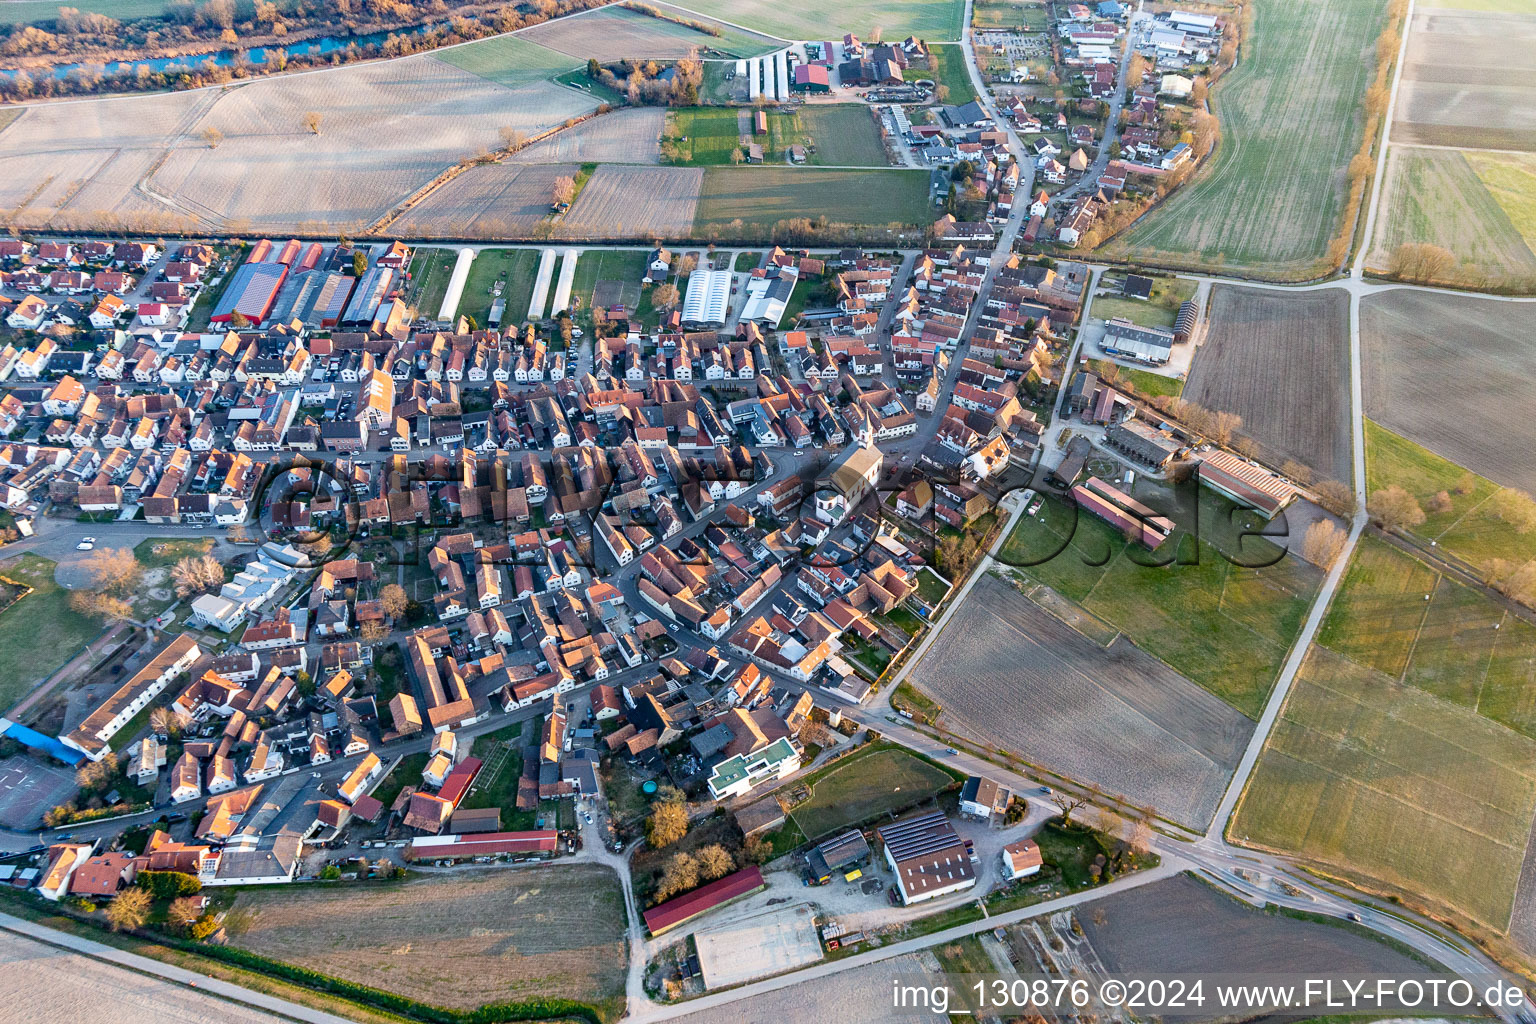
28,788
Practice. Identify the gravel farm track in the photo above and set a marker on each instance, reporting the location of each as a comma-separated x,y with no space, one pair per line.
458,939
1281,362
1010,674
1426,355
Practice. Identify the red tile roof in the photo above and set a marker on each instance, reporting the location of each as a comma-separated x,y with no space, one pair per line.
690,905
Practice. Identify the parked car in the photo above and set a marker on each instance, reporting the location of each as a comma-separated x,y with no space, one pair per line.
86,544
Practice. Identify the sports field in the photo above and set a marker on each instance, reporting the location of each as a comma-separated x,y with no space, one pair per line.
864,786
1479,207
508,60
760,197
1224,626
926,19
1373,776
1274,191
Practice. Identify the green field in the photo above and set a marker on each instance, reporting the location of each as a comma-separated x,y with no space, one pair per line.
951,73
926,19
763,196
1479,207
1168,294
40,632
508,60
1225,627
1274,191
866,786
430,271
1029,15
1458,645
1143,382
17,12
843,135
1467,528
518,267
1373,777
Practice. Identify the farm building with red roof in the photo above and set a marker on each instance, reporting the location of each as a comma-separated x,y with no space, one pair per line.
690,905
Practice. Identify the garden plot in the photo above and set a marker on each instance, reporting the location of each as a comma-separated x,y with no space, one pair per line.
1425,354
1281,362
627,136
635,202
764,945
1009,674
505,200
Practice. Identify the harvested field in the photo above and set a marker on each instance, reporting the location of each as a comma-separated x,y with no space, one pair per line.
1281,362
1010,674
1263,202
754,199
1440,197
1368,776
386,129
505,200
618,33
858,996
626,136
39,982
508,60
926,19
635,202
1182,925
864,787
1469,80
1424,354
459,940
766,944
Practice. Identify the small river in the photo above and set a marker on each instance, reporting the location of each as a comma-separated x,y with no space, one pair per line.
225,58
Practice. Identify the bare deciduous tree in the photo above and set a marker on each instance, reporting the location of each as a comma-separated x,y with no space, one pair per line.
213,137
1336,497
312,121
197,574
393,599
665,296
1323,543
565,189
1515,508
1393,508
1420,262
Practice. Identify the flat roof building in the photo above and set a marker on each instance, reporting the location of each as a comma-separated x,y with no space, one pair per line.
708,300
